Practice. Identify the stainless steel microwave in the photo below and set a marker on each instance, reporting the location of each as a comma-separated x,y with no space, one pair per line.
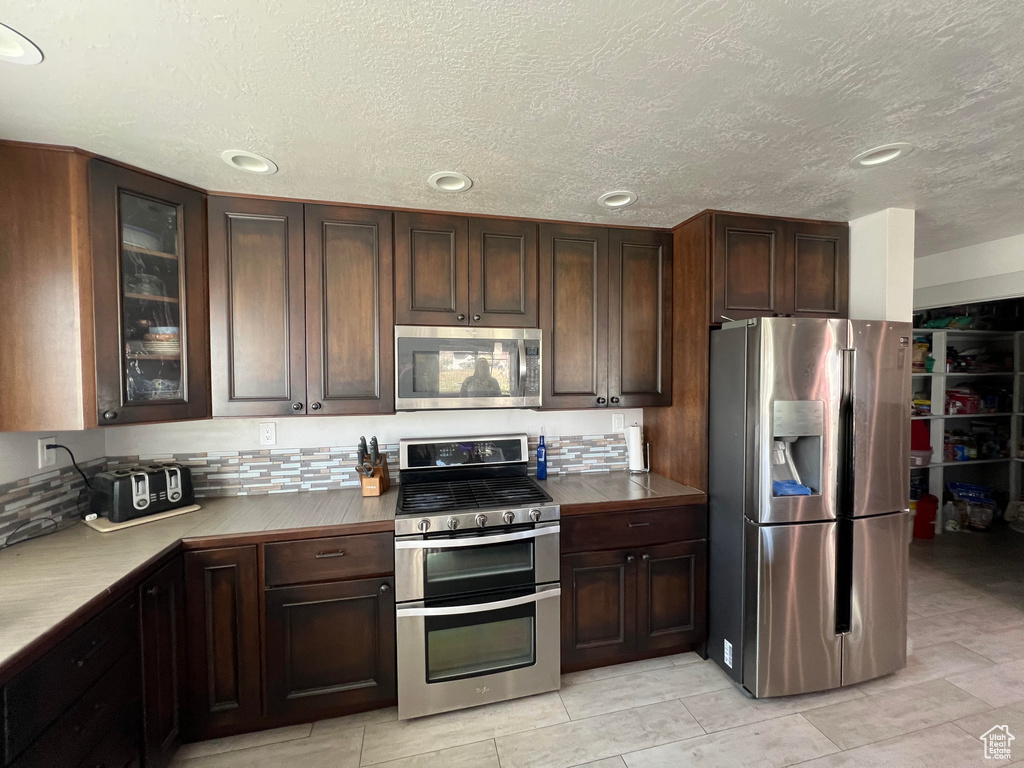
447,367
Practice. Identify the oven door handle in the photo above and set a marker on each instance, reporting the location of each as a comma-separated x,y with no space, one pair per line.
476,541
456,610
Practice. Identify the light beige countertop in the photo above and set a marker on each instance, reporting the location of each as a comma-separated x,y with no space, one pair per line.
56,580
580,493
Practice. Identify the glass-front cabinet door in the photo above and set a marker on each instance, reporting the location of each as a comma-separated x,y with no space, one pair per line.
150,312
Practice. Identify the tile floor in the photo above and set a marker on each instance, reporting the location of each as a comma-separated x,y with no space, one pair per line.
966,675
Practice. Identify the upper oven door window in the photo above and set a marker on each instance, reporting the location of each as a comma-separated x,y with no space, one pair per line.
454,570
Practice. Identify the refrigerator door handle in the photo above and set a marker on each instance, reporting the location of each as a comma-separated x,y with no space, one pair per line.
846,432
844,511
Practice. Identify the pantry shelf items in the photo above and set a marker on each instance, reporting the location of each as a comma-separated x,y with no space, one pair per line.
967,406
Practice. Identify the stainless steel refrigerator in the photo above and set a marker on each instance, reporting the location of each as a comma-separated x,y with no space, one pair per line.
809,480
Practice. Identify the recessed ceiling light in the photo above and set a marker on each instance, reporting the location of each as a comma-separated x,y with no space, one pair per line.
450,181
18,49
620,198
249,161
882,155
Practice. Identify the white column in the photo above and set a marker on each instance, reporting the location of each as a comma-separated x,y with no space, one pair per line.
882,265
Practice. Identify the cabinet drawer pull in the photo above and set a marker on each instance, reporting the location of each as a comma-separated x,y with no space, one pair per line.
325,555
96,644
638,525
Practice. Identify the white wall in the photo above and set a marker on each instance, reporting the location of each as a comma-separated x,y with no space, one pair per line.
983,272
317,431
18,455
882,265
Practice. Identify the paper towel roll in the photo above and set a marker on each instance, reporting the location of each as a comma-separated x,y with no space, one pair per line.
635,449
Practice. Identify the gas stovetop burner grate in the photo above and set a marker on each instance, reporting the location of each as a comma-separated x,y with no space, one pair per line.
427,498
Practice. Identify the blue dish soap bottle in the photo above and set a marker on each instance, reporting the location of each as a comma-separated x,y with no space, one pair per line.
542,459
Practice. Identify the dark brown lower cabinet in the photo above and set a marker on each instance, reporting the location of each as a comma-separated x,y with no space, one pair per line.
162,624
598,608
330,647
647,599
671,596
222,592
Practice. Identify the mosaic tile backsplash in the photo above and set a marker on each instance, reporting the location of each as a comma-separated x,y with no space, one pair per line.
26,504
57,494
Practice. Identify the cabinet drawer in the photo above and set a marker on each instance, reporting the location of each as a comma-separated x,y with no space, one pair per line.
619,530
39,694
333,559
67,741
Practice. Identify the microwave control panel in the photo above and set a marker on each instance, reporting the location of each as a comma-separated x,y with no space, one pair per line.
532,385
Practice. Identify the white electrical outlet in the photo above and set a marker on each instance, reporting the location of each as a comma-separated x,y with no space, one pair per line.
47,458
728,654
618,422
268,433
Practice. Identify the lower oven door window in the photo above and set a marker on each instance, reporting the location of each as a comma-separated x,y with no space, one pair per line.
460,645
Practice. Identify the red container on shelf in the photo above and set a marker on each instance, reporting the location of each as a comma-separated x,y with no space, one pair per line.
924,520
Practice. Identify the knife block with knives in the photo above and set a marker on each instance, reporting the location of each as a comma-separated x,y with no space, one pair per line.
372,468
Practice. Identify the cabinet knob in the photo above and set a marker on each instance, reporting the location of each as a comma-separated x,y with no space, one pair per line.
296,406
601,401
315,406
645,556
153,591
461,318
615,399
384,589
630,558
110,415
476,318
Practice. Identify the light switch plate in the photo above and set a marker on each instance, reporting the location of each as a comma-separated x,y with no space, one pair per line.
268,433
47,458
618,422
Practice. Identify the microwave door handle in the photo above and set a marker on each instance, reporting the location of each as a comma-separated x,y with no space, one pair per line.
476,541
522,367
458,610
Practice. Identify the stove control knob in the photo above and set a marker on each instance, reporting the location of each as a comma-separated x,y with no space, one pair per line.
453,523
509,517
535,515
481,520
423,525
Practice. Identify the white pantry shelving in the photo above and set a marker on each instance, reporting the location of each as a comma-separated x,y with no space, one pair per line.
938,382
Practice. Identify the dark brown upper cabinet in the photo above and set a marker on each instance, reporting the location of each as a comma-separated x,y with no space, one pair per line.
431,269
605,308
454,270
639,318
301,308
149,276
764,267
503,273
819,268
257,307
574,315
350,345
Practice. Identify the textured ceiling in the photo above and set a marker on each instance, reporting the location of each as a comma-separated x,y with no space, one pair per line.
750,105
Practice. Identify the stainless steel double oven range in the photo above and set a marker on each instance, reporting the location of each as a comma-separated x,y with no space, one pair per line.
476,576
